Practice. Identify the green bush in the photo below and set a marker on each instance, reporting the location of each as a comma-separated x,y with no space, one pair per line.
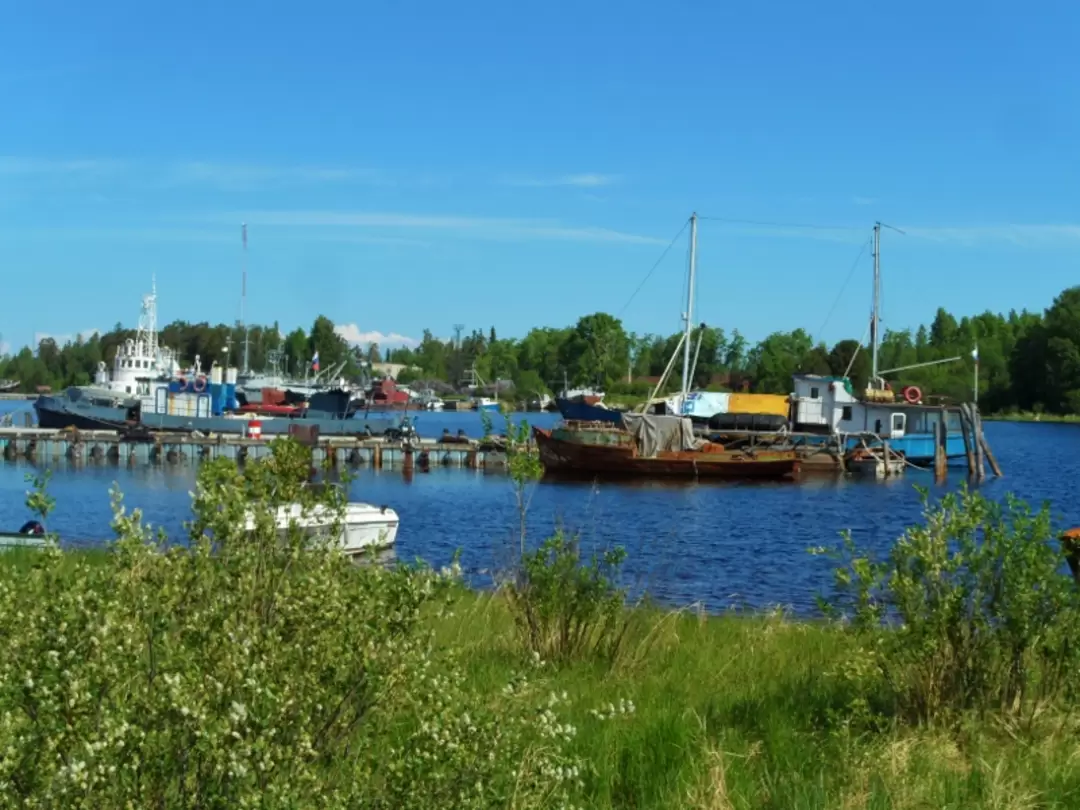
566,609
247,670
973,610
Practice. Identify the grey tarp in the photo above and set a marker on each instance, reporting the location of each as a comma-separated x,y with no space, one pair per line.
653,433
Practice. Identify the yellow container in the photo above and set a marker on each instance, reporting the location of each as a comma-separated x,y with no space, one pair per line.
764,404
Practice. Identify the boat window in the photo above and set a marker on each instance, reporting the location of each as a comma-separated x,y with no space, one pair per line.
814,393
898,424
845,415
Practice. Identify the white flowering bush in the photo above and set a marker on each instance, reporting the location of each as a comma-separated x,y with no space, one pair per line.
243,669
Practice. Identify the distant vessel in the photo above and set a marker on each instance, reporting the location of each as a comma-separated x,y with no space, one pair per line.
7,386
250,385
148,388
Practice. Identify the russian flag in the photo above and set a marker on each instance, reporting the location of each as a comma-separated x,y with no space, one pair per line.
315,362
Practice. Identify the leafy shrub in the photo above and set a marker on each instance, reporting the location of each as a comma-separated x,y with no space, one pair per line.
564,608
974,610
249,670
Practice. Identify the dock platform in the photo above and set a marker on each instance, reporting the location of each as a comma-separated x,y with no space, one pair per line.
41,445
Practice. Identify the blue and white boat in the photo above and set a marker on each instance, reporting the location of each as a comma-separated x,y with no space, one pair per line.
828,405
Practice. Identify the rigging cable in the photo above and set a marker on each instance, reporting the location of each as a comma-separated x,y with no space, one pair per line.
843,287
653,268
761,223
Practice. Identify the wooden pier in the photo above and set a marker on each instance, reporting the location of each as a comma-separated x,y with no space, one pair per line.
41,445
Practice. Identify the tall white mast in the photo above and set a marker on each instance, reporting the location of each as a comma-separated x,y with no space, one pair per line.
689,316
874,318
243,298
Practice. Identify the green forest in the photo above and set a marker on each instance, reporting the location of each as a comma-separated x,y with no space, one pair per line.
1027,361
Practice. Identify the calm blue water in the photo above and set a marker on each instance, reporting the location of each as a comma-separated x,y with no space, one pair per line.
721,544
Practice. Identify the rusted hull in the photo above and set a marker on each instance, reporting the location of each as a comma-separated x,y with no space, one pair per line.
561,456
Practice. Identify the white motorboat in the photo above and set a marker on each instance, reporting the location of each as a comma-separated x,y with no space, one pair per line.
364,527
31,535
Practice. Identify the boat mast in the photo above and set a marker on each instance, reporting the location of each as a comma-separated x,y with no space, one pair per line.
689,315
874,337
243,298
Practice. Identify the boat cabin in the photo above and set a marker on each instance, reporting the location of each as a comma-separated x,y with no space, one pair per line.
827,404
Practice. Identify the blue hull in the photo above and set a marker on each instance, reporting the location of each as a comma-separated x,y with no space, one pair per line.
60,412
918,448
575,411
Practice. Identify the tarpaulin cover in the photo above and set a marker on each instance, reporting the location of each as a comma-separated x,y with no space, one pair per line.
654,433
702,404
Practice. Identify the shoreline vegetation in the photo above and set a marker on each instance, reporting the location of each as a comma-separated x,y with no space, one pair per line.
255,669
1025,360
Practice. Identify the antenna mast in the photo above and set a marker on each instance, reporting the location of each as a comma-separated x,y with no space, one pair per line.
243,298
874,337
689,308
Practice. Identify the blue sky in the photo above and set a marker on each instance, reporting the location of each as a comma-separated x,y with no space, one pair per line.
403,166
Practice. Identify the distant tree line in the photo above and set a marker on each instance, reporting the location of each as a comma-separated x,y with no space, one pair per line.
1027,361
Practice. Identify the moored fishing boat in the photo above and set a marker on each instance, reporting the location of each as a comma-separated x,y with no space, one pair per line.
651,445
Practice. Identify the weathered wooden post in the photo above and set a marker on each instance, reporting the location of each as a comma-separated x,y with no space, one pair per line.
940,459
976,420
967,429
888,456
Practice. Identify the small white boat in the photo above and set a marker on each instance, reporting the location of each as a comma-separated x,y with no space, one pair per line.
363,527
31,535
485,404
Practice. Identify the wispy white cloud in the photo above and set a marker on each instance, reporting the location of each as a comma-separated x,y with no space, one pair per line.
1035,236
353,334
13,165
238,177
68,337
222,176
491,228
132,234
583,180
5,348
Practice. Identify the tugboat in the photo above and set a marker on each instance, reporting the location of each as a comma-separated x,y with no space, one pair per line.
113,401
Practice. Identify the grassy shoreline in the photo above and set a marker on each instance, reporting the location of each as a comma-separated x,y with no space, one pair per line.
734,711
753,710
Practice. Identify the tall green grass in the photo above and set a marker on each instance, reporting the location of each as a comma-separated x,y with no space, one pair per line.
756,712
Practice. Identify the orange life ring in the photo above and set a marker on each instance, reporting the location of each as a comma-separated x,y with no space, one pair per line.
912,394
200,384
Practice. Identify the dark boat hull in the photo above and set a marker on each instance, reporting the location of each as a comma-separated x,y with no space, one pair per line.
573,410
618,458
50,415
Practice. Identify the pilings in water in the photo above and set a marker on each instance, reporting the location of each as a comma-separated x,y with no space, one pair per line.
77,447
977,448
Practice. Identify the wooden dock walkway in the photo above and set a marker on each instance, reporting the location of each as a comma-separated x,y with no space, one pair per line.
42,445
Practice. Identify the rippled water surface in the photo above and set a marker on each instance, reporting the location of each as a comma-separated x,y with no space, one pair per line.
718,543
